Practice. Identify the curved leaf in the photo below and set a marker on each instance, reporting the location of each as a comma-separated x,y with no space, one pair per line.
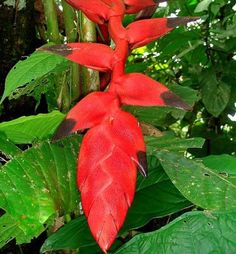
201,185
35,66
27,129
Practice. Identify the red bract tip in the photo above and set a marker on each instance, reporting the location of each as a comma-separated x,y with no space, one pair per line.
89,112
92,55
134,6
106,179
99,11
143,32
138,89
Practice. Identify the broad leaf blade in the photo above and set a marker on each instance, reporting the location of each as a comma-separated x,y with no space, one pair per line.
35,66
38,184
201,185
27,129
194,232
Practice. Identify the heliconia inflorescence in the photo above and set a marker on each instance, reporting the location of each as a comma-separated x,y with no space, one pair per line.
113,148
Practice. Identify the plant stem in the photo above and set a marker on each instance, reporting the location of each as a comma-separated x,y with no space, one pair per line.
52,22
89,78
69,15
71,34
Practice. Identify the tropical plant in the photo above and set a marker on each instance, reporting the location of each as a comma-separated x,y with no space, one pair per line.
188,196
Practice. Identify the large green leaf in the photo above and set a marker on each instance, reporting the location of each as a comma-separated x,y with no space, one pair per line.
36,185
27,129
195,232
201,185
35,66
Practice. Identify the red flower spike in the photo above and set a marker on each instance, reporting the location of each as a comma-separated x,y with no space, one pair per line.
89,112
140,90
134,6
87,54
113,149
106,179
99,11
143,32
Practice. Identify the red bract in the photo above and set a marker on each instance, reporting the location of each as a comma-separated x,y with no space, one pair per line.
88,113
99,11
113,149
134,6
87,54
106,179
138,89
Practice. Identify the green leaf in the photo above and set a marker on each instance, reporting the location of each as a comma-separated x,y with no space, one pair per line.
35,66
215,93
223,164
74,235
172,143
28,129
203,5
37,185
9,230
194,232
201,185
155,197
8,148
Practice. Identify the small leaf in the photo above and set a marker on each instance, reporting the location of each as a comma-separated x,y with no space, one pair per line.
215,93
35,66
203,186
194,232
27,129
203,5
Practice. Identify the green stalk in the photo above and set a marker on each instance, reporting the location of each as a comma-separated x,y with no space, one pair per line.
69,21
71,36
90,78
52,22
